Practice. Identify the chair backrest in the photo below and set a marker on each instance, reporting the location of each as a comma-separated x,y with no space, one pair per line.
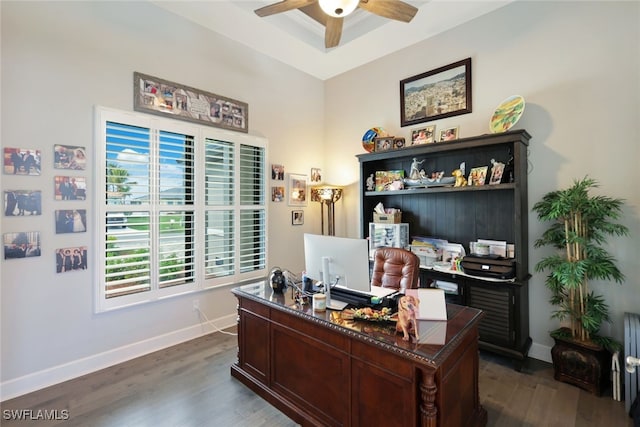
395,268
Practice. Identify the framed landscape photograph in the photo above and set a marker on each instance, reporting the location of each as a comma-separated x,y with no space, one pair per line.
436,94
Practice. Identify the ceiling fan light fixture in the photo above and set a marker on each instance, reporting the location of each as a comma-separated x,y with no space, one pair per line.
338,8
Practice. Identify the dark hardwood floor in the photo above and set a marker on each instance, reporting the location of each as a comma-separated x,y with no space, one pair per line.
190,385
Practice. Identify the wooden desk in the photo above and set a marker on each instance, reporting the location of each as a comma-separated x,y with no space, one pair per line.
322,370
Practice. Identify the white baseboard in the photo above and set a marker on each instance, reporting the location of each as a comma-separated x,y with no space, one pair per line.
540,352
57,374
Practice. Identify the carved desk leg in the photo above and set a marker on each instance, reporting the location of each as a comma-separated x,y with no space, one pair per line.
428,391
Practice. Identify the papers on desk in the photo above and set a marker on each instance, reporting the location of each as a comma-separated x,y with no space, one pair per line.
431,303
380,292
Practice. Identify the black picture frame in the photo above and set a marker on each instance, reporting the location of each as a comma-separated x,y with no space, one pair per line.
436,94
297,217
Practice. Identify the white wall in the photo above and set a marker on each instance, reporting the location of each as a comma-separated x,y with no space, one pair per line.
576,64
59,59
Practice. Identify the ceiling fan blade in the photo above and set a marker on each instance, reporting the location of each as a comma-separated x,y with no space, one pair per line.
314,12
392,9
333,32
282,6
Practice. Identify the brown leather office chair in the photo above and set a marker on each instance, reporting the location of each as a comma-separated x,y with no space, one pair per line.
395,268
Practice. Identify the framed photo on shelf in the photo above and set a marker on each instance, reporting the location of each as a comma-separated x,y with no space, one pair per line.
497,171
297,217
449,134
297,189
389,180
436,94
425,135
477,176
398,143
383,143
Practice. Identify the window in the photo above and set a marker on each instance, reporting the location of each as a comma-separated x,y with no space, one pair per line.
182,206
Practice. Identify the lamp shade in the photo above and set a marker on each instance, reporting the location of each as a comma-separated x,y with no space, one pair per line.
326,194
338,8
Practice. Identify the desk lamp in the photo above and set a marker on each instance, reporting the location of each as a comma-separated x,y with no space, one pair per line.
327,195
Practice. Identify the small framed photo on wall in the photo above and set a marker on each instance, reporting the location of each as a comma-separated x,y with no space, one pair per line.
297,217
22,202
297,189
71,221
277,172
69,157
316,175
71,259
22,161
24,244
277,194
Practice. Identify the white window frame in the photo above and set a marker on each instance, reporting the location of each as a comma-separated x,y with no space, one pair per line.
200,133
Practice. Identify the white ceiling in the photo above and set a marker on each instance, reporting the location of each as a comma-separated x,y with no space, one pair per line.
295,39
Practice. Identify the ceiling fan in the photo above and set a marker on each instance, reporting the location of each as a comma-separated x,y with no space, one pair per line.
331,13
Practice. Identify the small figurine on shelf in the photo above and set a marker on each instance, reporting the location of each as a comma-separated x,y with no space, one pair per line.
461,181
508,173
415,169
371,184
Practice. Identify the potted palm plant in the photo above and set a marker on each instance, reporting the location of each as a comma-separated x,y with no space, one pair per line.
580,223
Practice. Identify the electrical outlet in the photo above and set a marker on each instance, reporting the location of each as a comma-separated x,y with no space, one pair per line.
196,305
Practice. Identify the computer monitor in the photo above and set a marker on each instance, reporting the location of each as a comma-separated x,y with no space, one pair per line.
345,258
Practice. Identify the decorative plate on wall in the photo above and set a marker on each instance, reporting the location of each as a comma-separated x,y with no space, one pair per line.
507,114
368,138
